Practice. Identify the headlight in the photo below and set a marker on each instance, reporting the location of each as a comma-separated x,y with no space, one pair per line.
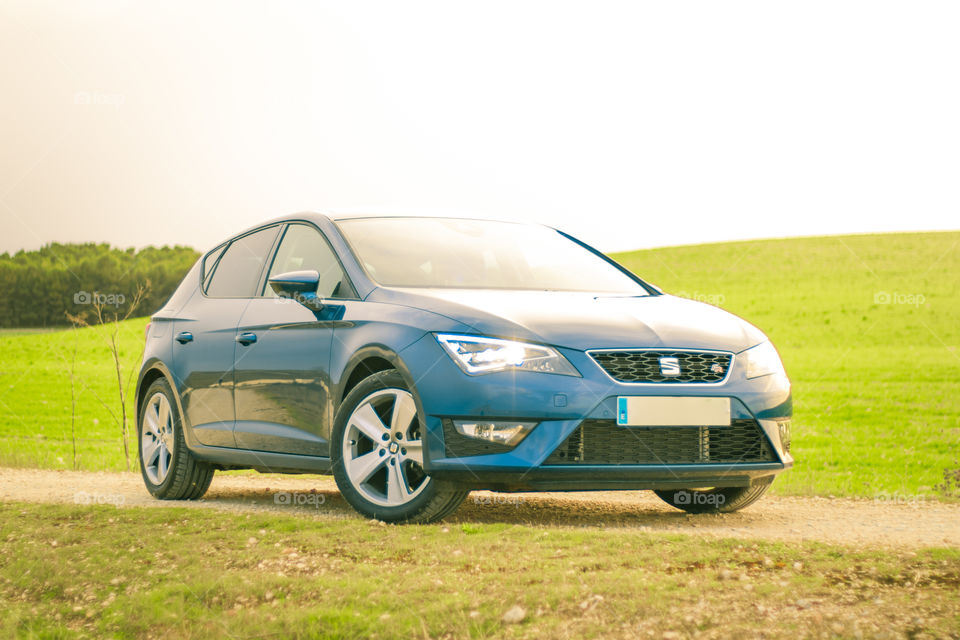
762,360
477,355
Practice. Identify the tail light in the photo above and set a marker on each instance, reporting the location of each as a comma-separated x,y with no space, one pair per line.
146,331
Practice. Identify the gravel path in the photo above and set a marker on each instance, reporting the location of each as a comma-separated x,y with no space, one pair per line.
857,522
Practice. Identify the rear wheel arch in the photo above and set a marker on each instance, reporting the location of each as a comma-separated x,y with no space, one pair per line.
155,371
146,379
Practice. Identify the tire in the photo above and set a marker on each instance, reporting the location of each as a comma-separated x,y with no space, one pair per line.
716,500
377,453
169,470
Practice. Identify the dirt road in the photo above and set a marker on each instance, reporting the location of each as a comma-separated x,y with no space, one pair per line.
863,522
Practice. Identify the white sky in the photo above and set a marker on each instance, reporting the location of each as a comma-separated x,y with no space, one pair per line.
627,124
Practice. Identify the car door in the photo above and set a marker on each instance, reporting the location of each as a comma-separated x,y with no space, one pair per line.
205,335
281,369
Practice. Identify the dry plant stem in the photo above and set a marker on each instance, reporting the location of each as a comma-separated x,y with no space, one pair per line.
71,367
112,338
73,401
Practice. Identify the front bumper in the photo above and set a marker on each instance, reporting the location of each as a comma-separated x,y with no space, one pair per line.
560,404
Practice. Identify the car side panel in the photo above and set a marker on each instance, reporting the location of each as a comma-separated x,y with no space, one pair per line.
282,385
203,366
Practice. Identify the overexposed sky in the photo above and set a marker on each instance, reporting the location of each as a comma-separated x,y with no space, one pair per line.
627,124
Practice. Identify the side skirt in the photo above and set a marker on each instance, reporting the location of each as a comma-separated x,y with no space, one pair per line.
263,461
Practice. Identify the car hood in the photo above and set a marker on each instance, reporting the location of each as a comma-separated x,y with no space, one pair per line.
585,320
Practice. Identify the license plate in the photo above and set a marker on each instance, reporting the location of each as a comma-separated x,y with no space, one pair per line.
664,411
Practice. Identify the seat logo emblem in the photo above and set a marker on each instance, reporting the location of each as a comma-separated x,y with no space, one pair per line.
669,367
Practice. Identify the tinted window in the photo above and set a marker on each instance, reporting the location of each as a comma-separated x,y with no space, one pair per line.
304,248
237,272
479,254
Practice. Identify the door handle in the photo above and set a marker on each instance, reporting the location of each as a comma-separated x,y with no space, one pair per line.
184,337
246,338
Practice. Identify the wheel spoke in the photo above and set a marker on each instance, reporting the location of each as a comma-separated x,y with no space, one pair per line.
404,410
414,451
163,416
397,490
362,467
368,422
163,462
150,449
150,420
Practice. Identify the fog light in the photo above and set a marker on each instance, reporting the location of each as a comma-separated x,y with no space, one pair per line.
507,432
784,434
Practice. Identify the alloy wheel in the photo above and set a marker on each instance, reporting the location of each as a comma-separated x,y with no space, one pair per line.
383,449
157,438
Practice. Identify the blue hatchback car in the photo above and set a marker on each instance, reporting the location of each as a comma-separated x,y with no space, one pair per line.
419,358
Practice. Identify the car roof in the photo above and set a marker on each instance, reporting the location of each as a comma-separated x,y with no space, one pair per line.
431,214
325,220
317,216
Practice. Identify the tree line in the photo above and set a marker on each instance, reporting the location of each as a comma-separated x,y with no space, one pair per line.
39,288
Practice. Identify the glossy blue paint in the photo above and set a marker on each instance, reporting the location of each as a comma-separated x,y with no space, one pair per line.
260,382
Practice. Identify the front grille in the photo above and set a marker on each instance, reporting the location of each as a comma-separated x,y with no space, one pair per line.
644,365
457,445
603,442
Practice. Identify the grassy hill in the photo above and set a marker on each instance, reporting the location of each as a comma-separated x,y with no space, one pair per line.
868,326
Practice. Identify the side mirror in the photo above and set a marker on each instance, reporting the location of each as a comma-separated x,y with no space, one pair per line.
298,285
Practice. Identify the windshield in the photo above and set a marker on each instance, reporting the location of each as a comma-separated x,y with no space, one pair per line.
479,254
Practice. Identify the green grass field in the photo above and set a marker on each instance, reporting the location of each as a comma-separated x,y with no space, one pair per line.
69,571
868,326
35,397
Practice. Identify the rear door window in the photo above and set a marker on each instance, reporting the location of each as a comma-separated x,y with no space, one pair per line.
236,273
